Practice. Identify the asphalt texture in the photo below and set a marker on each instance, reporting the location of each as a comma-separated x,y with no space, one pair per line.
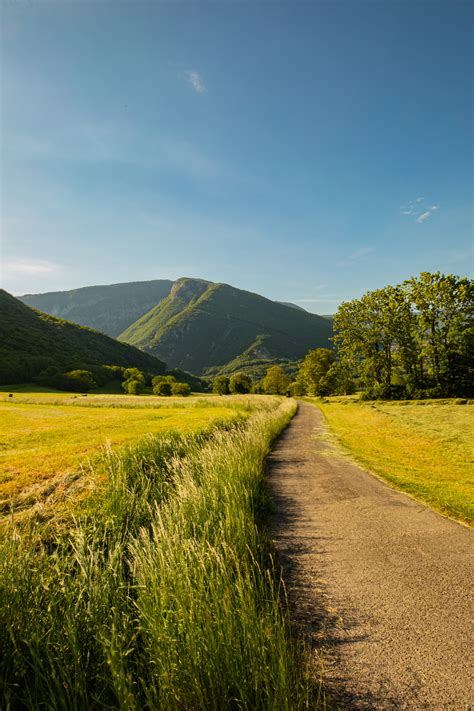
379,583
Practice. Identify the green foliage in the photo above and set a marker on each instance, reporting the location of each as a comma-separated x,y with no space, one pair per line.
181,389
417,335
240,383
275,381
296,389
163,388
239,324
314,373
80,381
134,381
220,385
32,343
164,596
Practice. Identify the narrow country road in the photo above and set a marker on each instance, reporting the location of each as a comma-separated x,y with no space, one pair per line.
380,583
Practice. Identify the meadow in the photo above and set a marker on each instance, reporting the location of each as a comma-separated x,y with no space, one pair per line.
424,448
161,592
46,435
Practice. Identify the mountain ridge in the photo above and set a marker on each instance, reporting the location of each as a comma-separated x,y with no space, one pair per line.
31,341
229,321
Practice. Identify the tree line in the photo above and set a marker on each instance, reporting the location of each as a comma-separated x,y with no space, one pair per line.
414,340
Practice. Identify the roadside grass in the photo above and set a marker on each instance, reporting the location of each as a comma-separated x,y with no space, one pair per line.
424,448
40,441
164,596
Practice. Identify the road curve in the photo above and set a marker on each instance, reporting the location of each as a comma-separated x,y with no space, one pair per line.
380,583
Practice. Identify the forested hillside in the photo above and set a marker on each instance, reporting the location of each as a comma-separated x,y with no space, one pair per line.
31,342
202,325
108,309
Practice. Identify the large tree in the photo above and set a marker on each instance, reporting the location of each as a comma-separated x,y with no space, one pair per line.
313,371
275,381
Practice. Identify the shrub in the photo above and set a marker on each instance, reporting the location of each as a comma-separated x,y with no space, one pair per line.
220,385
134,382
162,388
240,383
79,381
182,389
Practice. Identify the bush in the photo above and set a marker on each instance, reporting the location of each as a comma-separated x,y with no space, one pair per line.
79,381
220,385
134,382
162,388
240,384
296,389
182,389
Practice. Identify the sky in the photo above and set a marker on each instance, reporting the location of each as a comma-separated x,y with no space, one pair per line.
307,151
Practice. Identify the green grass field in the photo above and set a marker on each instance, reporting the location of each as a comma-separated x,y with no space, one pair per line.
424,448
44,434
161,593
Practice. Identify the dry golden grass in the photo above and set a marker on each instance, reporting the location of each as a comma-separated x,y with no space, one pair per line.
425,448
43,435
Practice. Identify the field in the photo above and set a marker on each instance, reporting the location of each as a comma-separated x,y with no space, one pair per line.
424,448
162,592
42,435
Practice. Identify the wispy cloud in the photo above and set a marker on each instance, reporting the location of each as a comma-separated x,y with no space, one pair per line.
417,210
355,256
32,267
195,79
424,216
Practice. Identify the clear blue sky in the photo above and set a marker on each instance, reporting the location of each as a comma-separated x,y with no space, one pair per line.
308,151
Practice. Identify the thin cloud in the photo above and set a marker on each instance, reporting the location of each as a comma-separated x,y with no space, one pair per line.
414,207
32,267
195,79
355,256
424,216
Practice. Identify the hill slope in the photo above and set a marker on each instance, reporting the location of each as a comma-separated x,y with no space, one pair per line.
108,309
31,341
201,324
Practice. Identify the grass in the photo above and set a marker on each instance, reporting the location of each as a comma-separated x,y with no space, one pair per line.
42,436
164,596
423,448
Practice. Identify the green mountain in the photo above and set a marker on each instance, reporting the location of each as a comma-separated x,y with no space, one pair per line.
108,309
31,341
201,325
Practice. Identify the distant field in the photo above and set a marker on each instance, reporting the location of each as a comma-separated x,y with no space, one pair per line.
423,448
44,434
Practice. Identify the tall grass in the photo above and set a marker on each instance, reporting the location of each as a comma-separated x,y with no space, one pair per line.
163,596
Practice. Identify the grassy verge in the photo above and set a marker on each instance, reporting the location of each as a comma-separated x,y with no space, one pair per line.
162,597
423,450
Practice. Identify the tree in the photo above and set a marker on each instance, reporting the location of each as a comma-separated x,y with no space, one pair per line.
275,381
415,338
181,389
79,381
444,306
134,381
296,389
220,385
240,383
163,388
313,371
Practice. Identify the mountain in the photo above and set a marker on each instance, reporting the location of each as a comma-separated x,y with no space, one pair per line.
293,306
108,309
31,341
201,325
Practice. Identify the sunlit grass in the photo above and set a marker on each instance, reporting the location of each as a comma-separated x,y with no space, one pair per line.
164,595
425,449
42,438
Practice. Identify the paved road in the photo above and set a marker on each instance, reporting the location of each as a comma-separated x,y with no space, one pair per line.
379,582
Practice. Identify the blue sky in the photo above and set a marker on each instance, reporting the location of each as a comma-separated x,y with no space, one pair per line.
308,151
